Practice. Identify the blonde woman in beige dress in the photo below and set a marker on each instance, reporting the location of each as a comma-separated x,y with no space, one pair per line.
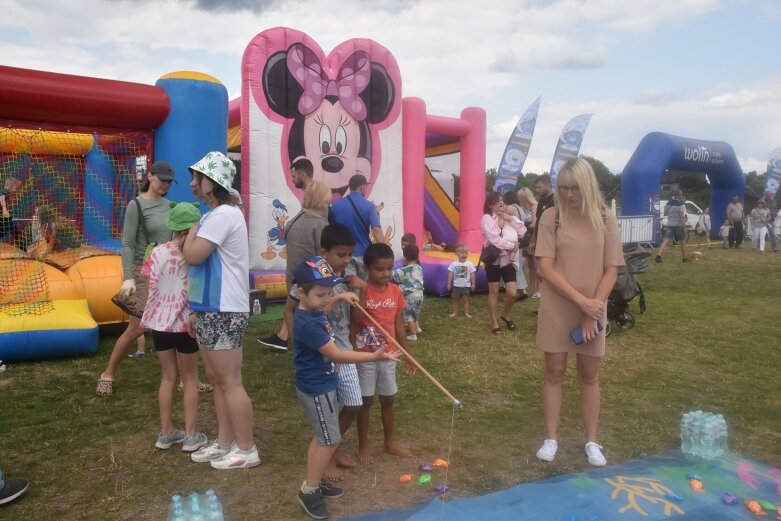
579,252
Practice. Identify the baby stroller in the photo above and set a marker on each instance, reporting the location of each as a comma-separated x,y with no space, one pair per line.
627,288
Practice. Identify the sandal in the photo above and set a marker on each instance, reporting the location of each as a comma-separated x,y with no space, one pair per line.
105,387
510,324
497,331
203,387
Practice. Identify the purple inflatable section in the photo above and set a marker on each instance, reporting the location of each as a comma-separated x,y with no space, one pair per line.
435,222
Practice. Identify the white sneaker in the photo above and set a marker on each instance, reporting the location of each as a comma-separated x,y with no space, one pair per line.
548,450
212,452
237,459
594,453
193,443
412,337
419,331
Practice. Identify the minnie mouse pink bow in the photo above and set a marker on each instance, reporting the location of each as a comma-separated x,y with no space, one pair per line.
352,80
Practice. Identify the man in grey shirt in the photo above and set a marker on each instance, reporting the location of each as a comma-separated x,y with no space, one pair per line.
735,215
676,225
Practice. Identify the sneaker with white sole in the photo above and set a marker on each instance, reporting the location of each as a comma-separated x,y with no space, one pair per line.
193,443
595,456
328,489
548,450
313,504
164,441
412,337
11,489
237,459
209,453
274,342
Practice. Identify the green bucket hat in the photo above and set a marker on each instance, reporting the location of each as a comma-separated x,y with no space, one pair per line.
218,167
182,216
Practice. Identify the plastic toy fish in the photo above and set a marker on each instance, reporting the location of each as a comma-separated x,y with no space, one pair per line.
425,468
778,513
441,488
755,508
673,497
424,479
729,499
696,486
767,505
692,475
440,463
405,478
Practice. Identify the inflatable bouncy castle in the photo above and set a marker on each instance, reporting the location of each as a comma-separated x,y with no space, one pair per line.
344,111
72,152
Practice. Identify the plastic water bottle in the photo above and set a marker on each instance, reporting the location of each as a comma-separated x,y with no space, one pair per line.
721,436
195,508
214,511
709,438
213,507
686,433
178,515
175,507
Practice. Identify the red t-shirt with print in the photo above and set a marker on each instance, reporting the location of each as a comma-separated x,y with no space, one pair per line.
383,305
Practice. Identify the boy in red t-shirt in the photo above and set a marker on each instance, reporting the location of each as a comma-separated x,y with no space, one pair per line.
385,303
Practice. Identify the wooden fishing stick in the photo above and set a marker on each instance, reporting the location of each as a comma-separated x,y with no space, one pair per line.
456,403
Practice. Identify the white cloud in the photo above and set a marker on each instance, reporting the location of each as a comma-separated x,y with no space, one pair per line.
451,53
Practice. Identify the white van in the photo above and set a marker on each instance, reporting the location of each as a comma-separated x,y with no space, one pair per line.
693,213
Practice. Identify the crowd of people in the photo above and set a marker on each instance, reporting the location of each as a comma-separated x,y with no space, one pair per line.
350,315
759,224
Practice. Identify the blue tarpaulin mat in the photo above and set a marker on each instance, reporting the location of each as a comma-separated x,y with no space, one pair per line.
649,489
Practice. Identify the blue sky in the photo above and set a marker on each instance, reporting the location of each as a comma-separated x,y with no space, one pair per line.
705,69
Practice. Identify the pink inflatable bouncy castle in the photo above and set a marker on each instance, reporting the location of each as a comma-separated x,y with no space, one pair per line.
345,113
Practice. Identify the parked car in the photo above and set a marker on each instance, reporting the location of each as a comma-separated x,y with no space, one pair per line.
693,213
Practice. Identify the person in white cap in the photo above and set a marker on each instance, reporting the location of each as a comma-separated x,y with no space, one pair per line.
217,251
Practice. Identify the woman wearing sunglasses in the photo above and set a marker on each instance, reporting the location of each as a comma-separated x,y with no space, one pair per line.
579,252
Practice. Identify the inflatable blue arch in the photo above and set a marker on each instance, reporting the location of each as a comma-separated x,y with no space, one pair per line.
658,152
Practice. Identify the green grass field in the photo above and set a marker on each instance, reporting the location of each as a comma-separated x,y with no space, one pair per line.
709,340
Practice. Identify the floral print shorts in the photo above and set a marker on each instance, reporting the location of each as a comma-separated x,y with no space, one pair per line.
220,330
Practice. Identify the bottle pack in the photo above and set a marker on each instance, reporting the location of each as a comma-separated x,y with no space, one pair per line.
704,434
196,507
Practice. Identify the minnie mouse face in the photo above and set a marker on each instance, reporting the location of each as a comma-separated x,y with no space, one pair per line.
332,141
330,117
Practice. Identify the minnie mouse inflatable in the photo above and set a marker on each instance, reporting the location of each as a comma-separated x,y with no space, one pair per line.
329,119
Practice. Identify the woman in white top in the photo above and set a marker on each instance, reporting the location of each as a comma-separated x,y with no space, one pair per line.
217,251
759,219
702,230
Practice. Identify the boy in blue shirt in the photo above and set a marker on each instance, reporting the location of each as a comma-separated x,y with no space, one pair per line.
316,377
337,244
